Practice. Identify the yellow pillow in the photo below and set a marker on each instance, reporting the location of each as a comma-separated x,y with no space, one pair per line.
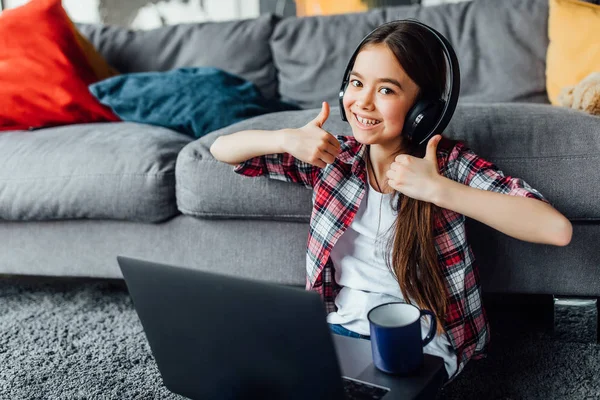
574,48
94,59
98,64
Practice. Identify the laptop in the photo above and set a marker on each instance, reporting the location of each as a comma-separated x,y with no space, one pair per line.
215,336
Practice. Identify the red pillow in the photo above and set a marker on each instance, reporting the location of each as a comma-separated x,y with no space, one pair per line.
44,74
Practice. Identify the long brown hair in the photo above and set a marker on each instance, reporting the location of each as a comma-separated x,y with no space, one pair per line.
413,256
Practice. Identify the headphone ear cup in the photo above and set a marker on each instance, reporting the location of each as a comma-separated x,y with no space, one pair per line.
421,119
413,118
341,100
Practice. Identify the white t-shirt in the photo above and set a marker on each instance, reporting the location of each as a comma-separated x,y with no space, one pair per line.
366,280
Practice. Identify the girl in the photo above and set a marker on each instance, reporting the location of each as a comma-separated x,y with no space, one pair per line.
388,215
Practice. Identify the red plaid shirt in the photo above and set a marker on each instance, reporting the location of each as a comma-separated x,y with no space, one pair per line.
337,192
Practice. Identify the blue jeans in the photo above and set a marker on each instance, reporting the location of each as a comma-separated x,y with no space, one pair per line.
340,330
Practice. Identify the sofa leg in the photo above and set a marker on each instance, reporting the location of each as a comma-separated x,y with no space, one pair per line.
576,319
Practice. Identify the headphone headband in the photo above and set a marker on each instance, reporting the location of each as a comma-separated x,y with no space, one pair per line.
420,108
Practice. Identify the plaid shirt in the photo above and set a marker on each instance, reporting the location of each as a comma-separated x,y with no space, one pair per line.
337,192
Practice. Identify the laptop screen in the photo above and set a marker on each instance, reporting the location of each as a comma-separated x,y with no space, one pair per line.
223,337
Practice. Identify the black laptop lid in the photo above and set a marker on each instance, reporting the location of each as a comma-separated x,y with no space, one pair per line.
220,337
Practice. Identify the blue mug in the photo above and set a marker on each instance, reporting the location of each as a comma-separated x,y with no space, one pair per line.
396,340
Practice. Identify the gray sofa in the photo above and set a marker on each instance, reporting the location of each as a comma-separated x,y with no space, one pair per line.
73,198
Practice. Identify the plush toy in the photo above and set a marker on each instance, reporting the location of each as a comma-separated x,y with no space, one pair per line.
584,96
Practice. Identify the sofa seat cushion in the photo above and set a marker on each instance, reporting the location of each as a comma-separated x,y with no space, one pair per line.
209,188
555,150
105,170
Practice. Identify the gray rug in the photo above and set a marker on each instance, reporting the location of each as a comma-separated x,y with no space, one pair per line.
82,340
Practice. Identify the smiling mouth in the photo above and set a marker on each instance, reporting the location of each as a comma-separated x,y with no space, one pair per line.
366,123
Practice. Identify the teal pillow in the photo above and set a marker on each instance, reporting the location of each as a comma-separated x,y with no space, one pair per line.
194,101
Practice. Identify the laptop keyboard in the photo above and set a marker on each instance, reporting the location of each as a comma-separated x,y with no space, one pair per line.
355,390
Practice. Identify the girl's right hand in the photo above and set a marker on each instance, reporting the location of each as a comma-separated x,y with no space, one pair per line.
311,143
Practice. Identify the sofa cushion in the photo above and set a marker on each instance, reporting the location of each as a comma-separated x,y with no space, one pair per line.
44,72
209,188
193,100
573,53
239,47
103,171
554,149
501,47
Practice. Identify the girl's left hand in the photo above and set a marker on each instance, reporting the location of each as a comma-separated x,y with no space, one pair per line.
414,177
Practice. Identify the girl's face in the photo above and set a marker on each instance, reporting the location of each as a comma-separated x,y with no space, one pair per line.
378,96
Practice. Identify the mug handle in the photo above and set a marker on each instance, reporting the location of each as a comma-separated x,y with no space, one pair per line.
432,327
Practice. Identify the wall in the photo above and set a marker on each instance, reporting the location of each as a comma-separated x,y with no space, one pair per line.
147,14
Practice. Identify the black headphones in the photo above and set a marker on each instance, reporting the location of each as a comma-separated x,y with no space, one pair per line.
427,116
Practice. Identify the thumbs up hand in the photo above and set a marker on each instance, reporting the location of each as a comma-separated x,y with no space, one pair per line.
322,117
311,143
416,177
